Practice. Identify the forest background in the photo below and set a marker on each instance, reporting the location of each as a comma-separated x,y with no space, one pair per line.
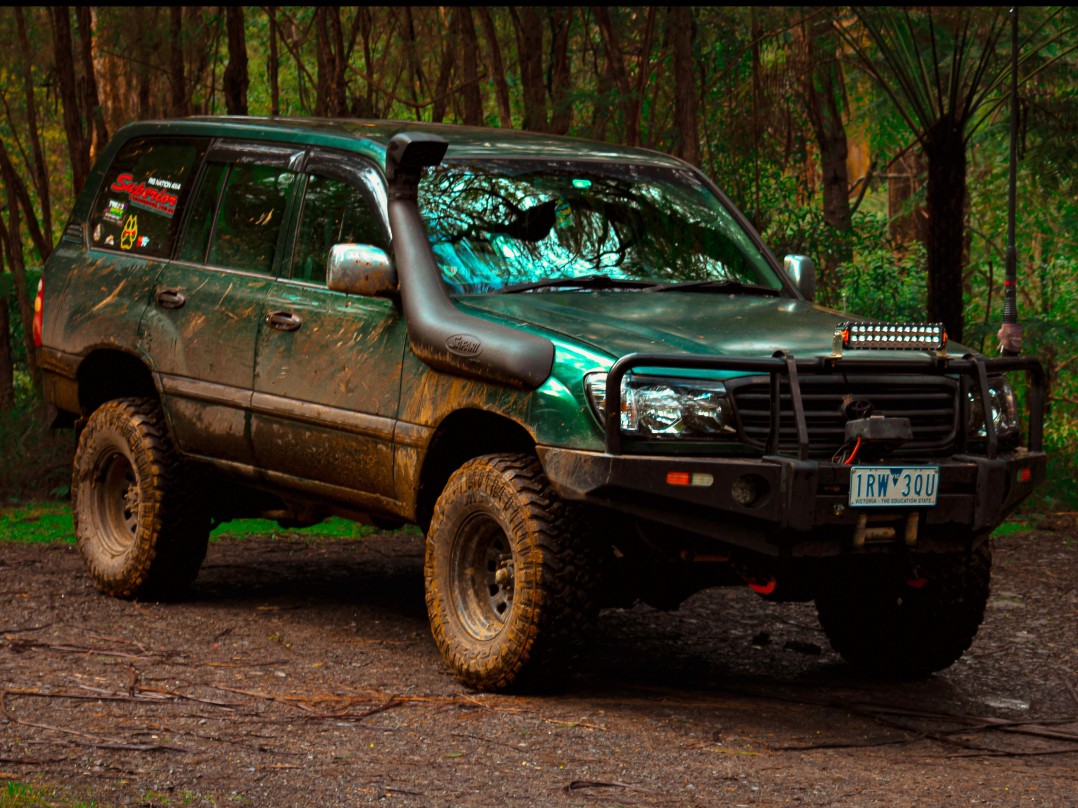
873,140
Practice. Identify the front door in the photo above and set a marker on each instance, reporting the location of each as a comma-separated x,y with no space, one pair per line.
327,376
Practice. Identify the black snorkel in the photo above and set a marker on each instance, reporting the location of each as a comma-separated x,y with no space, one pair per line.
441,335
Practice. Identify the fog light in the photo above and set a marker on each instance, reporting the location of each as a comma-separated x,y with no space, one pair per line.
745,490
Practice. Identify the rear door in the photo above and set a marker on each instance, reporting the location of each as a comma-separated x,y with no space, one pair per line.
204,318
132,229
327,379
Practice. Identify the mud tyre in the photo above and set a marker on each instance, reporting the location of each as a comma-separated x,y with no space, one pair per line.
889,625
139,525
510,583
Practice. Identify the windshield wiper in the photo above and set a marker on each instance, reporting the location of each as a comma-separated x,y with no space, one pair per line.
582,282
726,287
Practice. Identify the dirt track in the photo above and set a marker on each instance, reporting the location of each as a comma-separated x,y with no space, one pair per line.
303,672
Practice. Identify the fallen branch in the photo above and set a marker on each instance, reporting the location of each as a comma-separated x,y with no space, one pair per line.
24,630
97,742
866,745
18,646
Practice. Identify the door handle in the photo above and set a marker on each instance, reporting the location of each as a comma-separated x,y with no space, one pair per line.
170,299
284,321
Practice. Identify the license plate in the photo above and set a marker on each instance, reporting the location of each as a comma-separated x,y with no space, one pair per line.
891,486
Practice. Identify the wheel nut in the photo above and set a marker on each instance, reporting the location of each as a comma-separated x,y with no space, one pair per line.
501,577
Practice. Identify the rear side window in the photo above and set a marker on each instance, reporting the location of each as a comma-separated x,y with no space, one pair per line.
141,200
236,217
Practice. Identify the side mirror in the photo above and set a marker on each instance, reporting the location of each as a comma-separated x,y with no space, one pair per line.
360,269
802,271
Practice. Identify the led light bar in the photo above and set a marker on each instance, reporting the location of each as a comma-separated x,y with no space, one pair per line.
893,336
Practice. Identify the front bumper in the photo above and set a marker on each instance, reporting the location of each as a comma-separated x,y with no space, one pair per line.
803,510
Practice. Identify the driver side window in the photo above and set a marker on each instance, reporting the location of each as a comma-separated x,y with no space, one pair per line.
334,212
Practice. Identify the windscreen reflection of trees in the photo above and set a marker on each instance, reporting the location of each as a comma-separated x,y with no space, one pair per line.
496,226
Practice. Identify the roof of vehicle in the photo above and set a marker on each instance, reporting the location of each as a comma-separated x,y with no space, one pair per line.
372,137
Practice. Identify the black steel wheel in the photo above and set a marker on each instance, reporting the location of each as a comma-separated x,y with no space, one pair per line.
140,529
510,586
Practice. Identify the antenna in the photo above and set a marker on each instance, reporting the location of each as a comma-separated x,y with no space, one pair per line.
1010,333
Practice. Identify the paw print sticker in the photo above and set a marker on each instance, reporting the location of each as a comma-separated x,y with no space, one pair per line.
129,233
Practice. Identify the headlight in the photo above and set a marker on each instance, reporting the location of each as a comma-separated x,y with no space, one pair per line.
667,408
1002,407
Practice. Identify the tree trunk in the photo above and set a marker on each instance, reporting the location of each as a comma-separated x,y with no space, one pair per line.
467,45
419,80
18,270
7,369
440,102
823,97
177,82
366,27
273,64
615,61
41,179
681,32
945,150
906,219
497,68
91,101
529,28
16,190
561,79
236,80
78,144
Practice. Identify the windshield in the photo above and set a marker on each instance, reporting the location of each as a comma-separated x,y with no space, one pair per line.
499,224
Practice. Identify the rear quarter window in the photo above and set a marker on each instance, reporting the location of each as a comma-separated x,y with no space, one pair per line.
141,200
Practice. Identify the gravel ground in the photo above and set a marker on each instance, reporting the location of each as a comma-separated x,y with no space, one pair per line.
302,671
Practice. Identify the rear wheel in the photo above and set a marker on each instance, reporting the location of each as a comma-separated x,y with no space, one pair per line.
139,527
510,585
888,624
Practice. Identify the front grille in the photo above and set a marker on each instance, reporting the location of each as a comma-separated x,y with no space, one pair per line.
929,402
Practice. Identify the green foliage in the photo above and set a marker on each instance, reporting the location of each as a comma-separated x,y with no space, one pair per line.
334,528
886,284
23,795
7,290
48,522
1060,492
37,460
37,523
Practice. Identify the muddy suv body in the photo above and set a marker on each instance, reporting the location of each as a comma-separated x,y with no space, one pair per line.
575,366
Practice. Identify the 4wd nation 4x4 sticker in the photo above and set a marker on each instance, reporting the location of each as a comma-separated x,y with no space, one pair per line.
115,211
146,195
129,234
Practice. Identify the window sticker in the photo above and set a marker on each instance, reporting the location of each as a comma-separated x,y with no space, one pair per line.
151,194
130,233
144,241
109,241
114,210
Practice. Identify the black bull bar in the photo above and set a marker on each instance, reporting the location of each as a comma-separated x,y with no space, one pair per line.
785,366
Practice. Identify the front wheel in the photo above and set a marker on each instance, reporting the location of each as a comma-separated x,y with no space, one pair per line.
510,583
140,529
888,622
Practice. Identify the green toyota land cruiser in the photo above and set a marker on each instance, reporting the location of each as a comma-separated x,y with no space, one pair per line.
575,366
